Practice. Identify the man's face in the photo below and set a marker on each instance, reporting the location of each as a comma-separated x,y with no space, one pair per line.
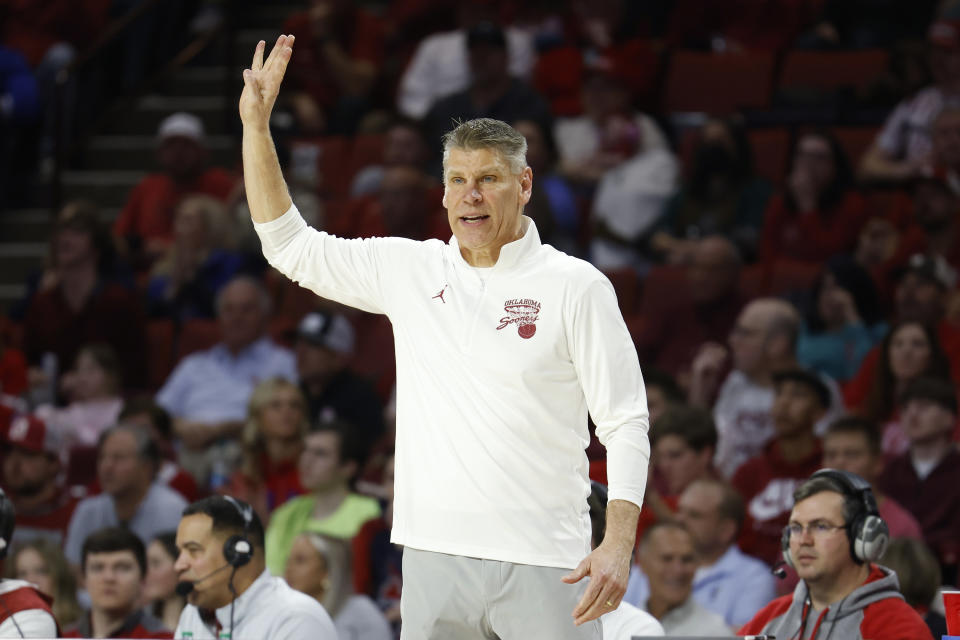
795,408
201,554
850,451
315,362
679,463
748,340
935,207
917,298
241,315
820,557
120,467
28,473
946,139
698,510
925,421
181,157
669,560
713,272
320,465
484,201
114,581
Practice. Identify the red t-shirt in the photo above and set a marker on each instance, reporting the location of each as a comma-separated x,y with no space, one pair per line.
13,372
814,236
148,213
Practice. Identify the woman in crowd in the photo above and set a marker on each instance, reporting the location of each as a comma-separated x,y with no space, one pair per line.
272,441
909,351
93,387
320,567
819,213
159,588
185,281
842,322
42,562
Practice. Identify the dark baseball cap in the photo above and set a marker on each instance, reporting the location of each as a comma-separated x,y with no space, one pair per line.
807,378
925,267
934,390
486,32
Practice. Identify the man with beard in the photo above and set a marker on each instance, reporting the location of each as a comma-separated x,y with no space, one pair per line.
31,464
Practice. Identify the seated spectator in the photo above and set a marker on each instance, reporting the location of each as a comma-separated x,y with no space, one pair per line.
553,206
160,583
185,280
40,562
440,64
320,567
767,481
604,95
818,214
114,565
207,392
704,310
902,149
663,392
84,306
720,196
93,388
324,345
669,559
626,620
852,444
683,442
727,581
145,412
928,225
127,462
492,92
377,566
909,351
404,207
843,594
340,48
329,463
918,575
145,225
631,196
842,323
272,443
13,368
33,460
762,341
926,478
403,146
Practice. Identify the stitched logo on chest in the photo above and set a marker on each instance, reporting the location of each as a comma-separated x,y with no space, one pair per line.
522,312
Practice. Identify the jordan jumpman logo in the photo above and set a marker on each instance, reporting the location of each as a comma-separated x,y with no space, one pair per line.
440,295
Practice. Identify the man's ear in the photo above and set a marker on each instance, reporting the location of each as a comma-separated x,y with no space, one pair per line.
526,185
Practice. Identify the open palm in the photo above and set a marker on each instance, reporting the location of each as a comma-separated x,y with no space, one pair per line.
261,82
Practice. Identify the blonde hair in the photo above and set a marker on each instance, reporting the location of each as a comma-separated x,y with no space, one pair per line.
252,440
65,607
219,231
335,553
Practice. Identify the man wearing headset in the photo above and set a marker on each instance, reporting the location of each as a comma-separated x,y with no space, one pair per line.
24,611
230,594
834,537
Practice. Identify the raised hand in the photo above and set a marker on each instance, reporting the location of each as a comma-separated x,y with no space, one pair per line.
261,83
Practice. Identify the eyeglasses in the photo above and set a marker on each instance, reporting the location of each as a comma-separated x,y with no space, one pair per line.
818,529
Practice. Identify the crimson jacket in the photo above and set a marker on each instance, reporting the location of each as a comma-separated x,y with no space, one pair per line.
873,611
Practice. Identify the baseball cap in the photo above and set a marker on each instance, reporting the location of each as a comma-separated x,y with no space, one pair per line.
944,33
329,330
807,378
927,268
181,125
486,32
32,434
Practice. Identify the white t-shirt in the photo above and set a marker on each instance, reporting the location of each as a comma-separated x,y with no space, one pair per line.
494,381
32,623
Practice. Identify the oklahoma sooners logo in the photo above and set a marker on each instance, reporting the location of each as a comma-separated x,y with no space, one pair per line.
522,312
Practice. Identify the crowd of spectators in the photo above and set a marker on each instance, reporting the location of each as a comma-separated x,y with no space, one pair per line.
788,315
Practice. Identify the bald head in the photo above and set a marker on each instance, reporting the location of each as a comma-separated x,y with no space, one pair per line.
765,336
243,307
714,270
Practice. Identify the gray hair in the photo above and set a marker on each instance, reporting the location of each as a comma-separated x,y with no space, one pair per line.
145,443
487,133
336,557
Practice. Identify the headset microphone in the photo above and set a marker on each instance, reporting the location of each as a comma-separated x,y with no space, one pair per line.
184,587
779,570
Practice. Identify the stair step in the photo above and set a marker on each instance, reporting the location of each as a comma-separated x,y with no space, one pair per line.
150,111
198,81
139,152
105,188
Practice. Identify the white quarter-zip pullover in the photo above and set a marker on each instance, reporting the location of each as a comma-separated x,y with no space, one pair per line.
495,376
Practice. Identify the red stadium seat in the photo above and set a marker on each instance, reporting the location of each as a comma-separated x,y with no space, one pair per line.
829,70
719,84
855,141
159,352
367,149
770,149
627,287
196,335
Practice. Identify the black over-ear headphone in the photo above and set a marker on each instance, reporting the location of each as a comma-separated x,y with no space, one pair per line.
867,531
238,550
8,520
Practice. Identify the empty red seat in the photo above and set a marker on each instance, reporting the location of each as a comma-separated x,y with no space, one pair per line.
196,335
770,150
718,83
828,70
627,287
159,352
